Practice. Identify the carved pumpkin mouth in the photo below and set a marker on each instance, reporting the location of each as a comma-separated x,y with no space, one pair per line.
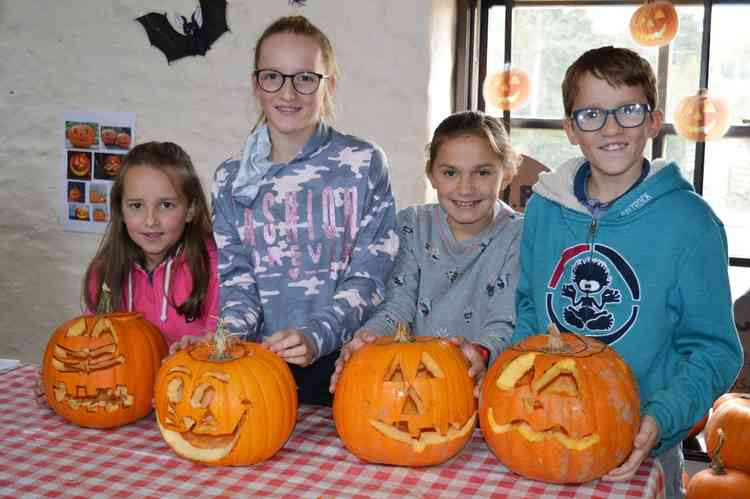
554,433
202,446
426,437
654,35
108,399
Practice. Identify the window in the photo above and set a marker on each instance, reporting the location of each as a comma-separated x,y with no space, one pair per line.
543,38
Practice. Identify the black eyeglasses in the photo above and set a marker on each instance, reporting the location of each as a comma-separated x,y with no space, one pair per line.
591,119
304,82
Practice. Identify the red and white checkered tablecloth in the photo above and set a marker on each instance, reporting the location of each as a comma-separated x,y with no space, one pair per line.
43,455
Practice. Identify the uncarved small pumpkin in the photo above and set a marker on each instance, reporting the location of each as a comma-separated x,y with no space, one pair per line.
718,481
733,417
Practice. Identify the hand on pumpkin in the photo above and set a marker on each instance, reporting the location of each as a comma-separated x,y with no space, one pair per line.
645,439
477,366
188,340
293,346
360,339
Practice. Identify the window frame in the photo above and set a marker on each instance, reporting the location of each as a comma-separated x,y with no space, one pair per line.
471,63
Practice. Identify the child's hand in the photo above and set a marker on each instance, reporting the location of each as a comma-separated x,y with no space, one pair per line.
292,345
648,435
360,339
477,366
188,340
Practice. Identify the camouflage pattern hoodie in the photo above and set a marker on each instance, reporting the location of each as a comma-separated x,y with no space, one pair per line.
305,245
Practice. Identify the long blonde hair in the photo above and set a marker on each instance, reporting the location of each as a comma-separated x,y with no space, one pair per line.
299,25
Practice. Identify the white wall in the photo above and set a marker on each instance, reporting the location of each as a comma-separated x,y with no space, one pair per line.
75,55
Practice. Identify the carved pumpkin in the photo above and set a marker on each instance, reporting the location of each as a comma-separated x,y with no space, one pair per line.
506,89
81,135
701,118
717,481
80,163
654,24
100,215
225,404
75,194
81,212
560,408
109,136
122,140
98,370
732,415
405,401
112,164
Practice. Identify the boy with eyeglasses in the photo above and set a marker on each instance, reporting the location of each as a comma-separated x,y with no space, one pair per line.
622,249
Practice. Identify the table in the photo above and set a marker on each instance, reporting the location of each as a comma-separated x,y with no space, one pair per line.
41,454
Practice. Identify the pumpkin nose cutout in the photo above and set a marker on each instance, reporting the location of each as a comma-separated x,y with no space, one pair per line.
188,422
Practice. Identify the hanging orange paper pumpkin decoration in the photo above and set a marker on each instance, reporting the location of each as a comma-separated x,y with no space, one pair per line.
81,135
718,481
654,23
560,408
701,118
405,401
733,417
506,89
225,403
98,370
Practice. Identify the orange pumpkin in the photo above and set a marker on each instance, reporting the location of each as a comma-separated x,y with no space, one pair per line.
405,401
81,135
80,163
654,23
112,164
733,417
98,370
717,481
81,212
74,194
122,140
100,215
701,118
109,136
560,408
225,403
506,89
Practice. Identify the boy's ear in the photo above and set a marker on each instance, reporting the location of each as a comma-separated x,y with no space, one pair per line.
568,126
429,177
654,123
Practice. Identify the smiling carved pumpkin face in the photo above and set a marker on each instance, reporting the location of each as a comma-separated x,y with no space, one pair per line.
98,370
236,411
507,89
405,402
654,24
81,135
562,417
701,118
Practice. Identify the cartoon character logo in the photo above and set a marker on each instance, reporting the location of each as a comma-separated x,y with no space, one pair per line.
594,291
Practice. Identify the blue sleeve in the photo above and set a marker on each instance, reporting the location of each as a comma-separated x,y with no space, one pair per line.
525,307
706,340
239,303
402,288
371,261
499,326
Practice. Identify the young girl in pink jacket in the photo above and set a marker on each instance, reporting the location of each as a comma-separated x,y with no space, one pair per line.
158,255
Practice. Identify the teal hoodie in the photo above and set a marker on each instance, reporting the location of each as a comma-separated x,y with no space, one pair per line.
649,277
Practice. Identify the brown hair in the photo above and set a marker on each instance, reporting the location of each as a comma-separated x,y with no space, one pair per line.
618,66
299,25
117,252
480,125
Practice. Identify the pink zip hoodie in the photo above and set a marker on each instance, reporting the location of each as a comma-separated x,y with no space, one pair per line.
170,283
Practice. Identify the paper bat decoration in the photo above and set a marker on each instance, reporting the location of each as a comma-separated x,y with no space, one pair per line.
198,35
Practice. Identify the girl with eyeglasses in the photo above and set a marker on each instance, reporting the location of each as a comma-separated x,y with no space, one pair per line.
304,215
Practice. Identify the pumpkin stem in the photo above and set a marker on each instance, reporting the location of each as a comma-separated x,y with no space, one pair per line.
403,335
104,305
220,344
555,343
717,464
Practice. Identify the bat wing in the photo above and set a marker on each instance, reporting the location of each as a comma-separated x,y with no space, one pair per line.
214,13
163,36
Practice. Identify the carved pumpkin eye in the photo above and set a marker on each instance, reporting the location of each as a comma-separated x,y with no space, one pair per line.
203,395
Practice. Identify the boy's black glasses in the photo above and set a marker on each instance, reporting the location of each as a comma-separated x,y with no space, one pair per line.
591,119
305,82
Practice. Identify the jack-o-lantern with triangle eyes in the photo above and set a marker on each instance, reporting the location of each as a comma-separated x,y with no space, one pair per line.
225,403
98,371
700,117
654,23
560,408
506,89
405,401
